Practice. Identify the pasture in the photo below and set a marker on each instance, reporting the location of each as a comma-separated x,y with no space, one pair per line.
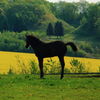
30,87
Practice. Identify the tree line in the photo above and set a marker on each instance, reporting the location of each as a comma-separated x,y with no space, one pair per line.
19,15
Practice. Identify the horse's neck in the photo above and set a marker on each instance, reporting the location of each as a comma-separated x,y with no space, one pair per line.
37,44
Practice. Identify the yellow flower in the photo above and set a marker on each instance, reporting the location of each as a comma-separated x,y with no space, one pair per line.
16,61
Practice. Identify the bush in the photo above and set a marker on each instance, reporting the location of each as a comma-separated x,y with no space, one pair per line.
34,69
52,66
11,71
77,66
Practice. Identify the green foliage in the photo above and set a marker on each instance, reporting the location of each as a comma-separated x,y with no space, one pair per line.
22,15
83,21
52,66
34,69
11,71
90,21
19,15
99,69
11,41
86,46
67,12
77,66
97,25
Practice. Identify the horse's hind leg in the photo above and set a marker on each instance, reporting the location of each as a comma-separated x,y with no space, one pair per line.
41,67
61,58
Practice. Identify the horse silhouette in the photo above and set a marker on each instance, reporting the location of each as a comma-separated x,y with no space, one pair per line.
43,50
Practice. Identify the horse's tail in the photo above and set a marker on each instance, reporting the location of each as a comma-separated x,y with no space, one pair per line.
72,45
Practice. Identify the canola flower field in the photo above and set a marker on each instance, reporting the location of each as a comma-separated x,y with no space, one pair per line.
9,60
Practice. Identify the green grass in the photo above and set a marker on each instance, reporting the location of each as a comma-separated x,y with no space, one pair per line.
30,87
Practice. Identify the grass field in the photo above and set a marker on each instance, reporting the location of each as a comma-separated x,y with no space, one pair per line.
30,87
10,60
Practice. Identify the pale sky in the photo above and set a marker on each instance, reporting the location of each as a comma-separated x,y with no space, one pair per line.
73,0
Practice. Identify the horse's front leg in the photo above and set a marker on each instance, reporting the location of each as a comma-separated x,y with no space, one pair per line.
41,67
61,58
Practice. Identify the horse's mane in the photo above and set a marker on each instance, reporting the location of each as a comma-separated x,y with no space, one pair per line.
33,38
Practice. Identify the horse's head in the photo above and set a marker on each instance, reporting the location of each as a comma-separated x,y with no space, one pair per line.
31,40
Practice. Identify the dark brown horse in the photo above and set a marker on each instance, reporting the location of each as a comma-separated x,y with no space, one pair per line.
51,49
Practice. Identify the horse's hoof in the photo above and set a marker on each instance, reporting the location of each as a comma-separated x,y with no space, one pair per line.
61,78
42,78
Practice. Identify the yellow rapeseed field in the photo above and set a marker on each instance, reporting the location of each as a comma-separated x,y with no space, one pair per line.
11,60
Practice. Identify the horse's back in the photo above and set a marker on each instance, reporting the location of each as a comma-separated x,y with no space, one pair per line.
56,44
51,49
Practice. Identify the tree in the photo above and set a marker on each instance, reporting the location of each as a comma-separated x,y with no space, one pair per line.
50,30
93,16
59,30
97,25
67,12
56,29
19,15
90,23
3,20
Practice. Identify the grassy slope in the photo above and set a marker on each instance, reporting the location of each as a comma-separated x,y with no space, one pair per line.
50,18
29,87
87,43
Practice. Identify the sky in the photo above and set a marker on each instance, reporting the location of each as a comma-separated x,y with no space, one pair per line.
73,0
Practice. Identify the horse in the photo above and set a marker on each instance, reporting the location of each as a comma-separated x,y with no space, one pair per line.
51,49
